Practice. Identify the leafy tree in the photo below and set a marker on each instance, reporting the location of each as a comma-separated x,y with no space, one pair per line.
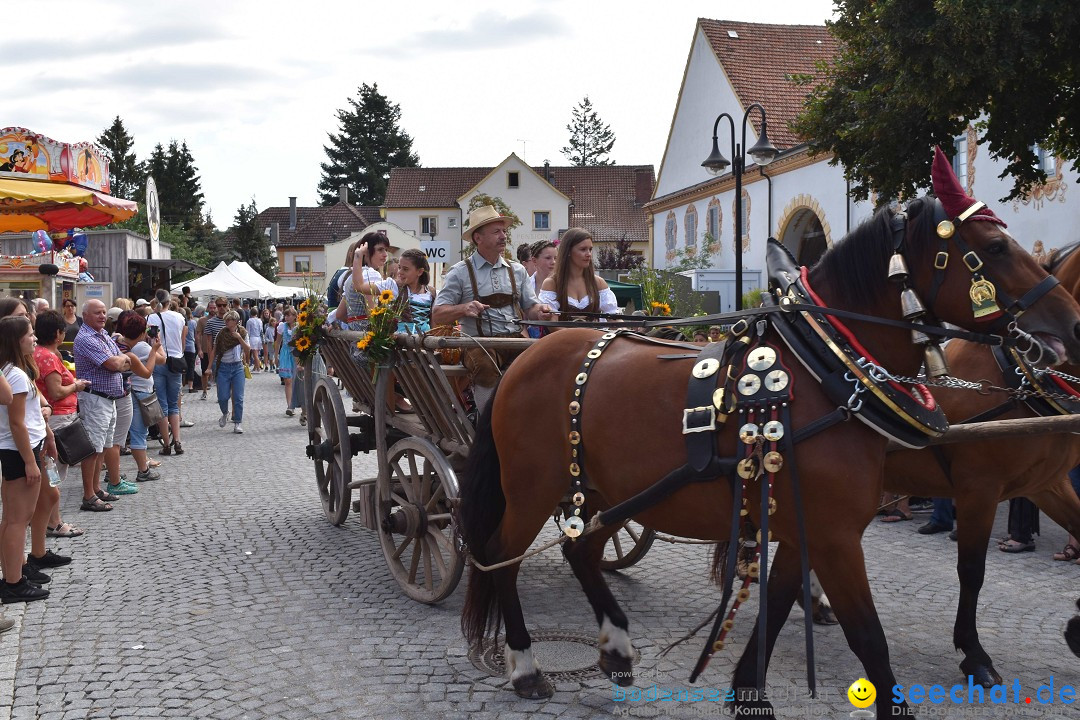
251,244
197,245
914,73
124,176
591,139
479,200
696,258
619,257
179,187
368,144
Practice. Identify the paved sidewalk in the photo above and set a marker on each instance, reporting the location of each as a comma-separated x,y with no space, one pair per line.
222,592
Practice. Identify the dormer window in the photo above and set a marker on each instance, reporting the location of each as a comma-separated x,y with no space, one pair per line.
512,179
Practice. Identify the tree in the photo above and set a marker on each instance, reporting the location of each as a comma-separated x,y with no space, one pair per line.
368,144
251,244
914,73
620,257
198,244
177,179
590,138
124,176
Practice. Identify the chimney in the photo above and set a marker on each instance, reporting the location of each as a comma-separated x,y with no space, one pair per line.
643,186
547,171
343,194
292,212
275,232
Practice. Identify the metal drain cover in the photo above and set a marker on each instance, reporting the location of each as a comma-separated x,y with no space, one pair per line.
563,655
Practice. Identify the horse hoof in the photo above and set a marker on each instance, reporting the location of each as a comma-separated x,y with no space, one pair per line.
981,673
824,615
533,687
618,668
1072,634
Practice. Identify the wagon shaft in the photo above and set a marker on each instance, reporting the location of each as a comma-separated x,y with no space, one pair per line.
973,432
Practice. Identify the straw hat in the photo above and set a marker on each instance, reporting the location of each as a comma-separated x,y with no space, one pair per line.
480,217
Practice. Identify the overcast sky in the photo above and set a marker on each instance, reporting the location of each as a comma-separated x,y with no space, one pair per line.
253,86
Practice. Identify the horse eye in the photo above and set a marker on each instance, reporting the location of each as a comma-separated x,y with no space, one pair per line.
996,248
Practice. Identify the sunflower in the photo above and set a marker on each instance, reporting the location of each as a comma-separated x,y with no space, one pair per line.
378,311
304,305
303,343
363,342
302,318
386,296
660,308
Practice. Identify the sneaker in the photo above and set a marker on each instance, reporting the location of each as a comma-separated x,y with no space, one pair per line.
21,591
178,449
34,575
187,423
49,560
289,412
148,474
107,481
224,419
122,489
203,395
238,429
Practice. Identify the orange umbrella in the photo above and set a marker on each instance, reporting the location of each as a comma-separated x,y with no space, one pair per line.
29,205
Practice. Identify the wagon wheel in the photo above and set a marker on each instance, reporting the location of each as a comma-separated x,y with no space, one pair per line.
627,546
328,438
413,497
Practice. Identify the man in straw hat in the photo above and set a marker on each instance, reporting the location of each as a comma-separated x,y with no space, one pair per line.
488,295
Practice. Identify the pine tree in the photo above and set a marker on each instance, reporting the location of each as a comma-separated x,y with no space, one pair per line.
178,185
369,143
591,139
124,176
251,244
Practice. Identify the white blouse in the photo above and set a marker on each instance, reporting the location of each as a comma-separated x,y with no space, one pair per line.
608,303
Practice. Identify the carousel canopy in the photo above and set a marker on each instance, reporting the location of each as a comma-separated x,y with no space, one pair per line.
29,205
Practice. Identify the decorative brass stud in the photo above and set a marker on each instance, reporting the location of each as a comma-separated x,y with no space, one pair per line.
761,358
747,468
773,461
575,407
577,511
718,398
743,595
581,378
594,353
945,229
575,437
753,570
706,368
608,336
759,536
748,433
776,380
749,385
744,512
772,505
575,469
574,527
773,430
718,646
727,625
579,499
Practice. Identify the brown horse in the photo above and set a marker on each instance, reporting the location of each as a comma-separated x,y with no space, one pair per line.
518,472
979,475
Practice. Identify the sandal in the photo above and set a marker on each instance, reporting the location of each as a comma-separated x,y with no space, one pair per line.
64,529
1068,553
895,515
153,463
95,504
1012,546
107,496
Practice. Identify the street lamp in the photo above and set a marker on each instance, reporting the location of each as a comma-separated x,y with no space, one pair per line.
762,154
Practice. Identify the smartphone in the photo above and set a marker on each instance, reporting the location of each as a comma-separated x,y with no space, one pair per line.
152,331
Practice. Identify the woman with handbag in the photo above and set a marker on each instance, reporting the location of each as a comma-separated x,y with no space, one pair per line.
230,349
167,375
145,354
59,387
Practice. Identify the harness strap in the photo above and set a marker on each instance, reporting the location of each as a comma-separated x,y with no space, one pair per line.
700,417
790,440
839,415
1032,296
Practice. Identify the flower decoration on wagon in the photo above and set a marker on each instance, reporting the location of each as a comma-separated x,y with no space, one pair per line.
659,308
310,319
378,341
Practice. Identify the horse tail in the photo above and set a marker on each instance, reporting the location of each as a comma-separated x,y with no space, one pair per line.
479,515
1072,633
718,560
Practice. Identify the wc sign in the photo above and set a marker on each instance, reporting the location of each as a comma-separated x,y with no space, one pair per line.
436,250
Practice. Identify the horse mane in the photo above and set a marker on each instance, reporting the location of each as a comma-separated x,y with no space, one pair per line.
860,259
1060,256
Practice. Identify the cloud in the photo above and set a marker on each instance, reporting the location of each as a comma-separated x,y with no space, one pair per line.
183,77
483,32
154,37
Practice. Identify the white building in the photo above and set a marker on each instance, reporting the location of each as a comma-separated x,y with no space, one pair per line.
802,201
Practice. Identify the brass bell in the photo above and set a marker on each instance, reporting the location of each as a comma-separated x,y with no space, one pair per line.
898,271
910,305
919,338
935,361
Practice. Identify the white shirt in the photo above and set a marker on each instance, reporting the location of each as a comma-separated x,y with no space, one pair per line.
254,328
143,385
33,419
608,303
172,335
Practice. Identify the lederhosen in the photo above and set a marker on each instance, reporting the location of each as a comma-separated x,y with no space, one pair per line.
479,360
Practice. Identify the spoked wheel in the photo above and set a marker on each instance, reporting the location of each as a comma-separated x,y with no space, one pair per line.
413,498
328,438
627,546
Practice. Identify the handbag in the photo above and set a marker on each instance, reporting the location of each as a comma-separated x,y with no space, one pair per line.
172,364
150,409
247,372
73,443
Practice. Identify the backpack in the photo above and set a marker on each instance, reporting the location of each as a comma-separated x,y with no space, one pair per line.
333,288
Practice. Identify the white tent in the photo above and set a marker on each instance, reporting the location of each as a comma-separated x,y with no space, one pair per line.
221,281
251,276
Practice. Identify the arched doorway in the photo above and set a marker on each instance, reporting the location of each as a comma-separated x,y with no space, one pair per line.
804,236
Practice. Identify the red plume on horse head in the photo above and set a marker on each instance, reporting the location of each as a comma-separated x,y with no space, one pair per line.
948,190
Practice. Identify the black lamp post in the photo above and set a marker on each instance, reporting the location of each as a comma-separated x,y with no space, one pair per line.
762,153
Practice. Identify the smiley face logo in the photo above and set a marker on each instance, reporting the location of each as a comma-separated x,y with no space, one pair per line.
862,693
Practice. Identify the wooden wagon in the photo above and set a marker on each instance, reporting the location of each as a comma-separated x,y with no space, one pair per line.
419,455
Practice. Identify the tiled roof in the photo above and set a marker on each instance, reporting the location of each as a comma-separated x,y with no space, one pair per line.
608,199
760,62
318,225
430,187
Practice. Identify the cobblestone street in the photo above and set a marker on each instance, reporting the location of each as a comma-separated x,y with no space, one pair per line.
221,591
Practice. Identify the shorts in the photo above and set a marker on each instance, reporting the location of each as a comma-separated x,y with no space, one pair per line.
255,343
478,361
12,462
123,421
99,418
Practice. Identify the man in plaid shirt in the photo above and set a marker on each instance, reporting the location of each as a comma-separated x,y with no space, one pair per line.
99,360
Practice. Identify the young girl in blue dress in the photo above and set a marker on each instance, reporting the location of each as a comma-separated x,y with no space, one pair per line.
413,277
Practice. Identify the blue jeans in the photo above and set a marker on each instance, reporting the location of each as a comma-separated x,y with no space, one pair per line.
943,512
230,382
137,431
167,386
